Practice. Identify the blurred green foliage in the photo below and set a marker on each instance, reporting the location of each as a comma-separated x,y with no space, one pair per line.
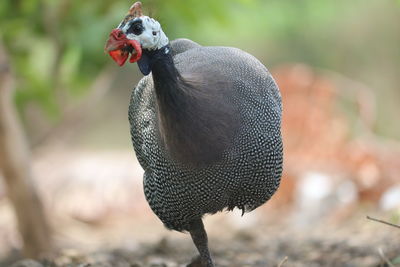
56,46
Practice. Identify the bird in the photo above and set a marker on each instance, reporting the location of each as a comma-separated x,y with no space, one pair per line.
205,124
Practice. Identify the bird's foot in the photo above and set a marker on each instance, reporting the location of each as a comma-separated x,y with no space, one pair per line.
196,262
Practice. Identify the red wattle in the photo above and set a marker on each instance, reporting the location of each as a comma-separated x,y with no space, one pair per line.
119,56
116,46
135,56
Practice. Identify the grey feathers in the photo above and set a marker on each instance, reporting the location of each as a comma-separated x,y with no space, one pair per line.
181,45
239,109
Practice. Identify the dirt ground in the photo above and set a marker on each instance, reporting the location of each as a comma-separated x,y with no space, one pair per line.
356,243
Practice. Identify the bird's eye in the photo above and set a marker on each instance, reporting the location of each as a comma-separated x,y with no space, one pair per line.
136,28
154,33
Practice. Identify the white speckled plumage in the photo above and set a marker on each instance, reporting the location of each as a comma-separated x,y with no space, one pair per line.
250,169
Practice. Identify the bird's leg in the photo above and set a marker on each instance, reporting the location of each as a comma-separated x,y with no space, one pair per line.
199,237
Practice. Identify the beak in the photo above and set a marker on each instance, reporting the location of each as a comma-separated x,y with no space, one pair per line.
118,46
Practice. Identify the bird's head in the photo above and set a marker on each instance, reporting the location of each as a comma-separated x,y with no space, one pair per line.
134,33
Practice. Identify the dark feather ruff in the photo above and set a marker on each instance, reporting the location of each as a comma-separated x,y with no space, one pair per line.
197,123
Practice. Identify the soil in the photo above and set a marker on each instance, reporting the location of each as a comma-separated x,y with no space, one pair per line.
371,245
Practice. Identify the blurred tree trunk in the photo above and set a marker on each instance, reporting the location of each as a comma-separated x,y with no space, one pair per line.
16,170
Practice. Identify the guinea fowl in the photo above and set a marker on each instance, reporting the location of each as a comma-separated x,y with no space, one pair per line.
205,126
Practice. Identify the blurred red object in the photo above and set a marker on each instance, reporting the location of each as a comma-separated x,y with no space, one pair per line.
318,135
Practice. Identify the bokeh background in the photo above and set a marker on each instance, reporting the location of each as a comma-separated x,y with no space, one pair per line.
337,64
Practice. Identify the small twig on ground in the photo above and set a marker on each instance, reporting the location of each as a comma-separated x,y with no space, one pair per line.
283,261
384,222
384,258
